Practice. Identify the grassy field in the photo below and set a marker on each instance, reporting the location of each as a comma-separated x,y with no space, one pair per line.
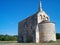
15,43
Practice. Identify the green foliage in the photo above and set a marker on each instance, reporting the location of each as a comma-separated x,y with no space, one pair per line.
15,37
8,38
51,41
58,35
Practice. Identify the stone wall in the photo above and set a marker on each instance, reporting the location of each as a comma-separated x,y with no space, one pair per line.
47,32
26,28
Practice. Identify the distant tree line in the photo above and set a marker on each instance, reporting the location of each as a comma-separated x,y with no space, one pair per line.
8,38
15,37
57,35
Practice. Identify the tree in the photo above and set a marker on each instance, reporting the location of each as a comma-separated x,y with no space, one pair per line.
57,35
8,38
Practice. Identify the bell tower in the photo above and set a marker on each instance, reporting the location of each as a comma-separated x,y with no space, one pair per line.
41,15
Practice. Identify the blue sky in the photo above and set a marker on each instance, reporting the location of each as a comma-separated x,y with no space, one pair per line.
13,11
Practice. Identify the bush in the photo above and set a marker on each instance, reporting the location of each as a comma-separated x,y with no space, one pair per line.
57,36
8,38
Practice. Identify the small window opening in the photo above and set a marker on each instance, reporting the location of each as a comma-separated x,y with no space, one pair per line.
41,16
47,17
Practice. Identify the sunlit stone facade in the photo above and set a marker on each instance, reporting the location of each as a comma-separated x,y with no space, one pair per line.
36,28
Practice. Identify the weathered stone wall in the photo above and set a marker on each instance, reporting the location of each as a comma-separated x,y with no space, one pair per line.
33,30
26,28
47,32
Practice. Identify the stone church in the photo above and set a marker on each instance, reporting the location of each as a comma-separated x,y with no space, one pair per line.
36,28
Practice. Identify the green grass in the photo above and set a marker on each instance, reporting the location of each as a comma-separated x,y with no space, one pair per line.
15,43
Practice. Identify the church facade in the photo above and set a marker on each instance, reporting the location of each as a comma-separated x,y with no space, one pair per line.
36,28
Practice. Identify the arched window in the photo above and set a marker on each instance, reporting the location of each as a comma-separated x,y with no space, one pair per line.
41,16
47,18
